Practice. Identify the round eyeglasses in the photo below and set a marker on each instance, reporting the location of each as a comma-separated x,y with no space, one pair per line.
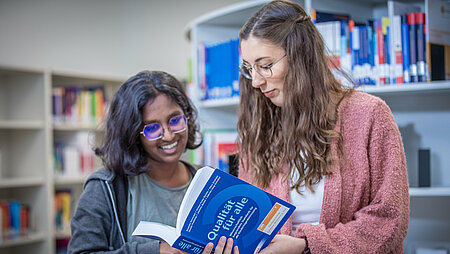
154,131
265,70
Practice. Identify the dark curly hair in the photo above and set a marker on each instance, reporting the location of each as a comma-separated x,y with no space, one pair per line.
121,149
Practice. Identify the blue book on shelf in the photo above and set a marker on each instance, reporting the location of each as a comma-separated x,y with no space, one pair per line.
14,212
218,204
387,60
405,49
371,50
222,73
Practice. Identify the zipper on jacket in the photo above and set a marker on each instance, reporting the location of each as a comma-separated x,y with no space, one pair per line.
116,216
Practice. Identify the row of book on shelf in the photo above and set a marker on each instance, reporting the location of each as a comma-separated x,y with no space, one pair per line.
385,50
14,219
78,105
219,150
73,155
72,160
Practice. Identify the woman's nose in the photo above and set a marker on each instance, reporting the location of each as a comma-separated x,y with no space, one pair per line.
167,134
257,79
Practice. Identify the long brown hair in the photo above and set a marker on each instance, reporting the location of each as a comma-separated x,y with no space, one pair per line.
299,133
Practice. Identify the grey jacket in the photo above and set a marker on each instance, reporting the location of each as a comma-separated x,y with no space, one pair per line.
100,220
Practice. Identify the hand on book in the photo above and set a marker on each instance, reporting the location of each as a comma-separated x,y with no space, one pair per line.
285,244
223,246
165,248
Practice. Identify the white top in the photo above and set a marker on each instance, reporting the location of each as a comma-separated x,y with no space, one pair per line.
308,205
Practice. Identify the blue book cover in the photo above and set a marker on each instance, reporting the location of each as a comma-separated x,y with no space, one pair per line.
218,204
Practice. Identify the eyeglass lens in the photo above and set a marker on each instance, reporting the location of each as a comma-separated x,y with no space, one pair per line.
264,70
155,131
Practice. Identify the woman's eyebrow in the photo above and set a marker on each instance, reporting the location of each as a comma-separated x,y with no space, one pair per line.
176,113
257,60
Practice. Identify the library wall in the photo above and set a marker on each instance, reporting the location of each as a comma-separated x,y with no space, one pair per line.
107,37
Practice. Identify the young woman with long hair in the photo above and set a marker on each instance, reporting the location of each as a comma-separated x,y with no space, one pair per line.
334,152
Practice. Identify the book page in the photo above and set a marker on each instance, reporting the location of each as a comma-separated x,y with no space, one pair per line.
193,191
155,230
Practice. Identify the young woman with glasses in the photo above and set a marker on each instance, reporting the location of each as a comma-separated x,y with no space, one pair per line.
150,123
332,151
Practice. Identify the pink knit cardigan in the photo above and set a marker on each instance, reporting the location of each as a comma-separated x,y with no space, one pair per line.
365,206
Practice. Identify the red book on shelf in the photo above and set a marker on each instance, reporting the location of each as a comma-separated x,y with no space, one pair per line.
381,51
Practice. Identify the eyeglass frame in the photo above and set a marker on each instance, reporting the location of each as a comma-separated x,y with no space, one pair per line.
185,118
249,69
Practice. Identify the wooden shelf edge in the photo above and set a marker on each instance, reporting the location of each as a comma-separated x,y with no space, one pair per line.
429,191
62,235
108,77
430,87
225,102
21,182
434,86
75,127
61,181
27,239
22,124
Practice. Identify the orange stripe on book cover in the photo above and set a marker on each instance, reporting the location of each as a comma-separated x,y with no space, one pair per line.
269,217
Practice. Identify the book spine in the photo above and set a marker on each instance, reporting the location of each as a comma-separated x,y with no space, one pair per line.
5,218
421,46
387,46
201,62
14,211
405,49
313,16
412,47
370,52
356,55
24,216
376,59
381,52
397,58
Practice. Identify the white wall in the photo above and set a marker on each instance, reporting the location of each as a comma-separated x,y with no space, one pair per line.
100,36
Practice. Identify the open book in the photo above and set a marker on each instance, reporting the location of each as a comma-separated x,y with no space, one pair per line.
218,204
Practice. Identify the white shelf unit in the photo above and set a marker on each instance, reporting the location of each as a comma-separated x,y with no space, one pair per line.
73,133
422,112
26,147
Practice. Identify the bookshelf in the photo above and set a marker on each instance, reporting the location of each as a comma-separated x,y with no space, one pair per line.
80,133
27,133
422,111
